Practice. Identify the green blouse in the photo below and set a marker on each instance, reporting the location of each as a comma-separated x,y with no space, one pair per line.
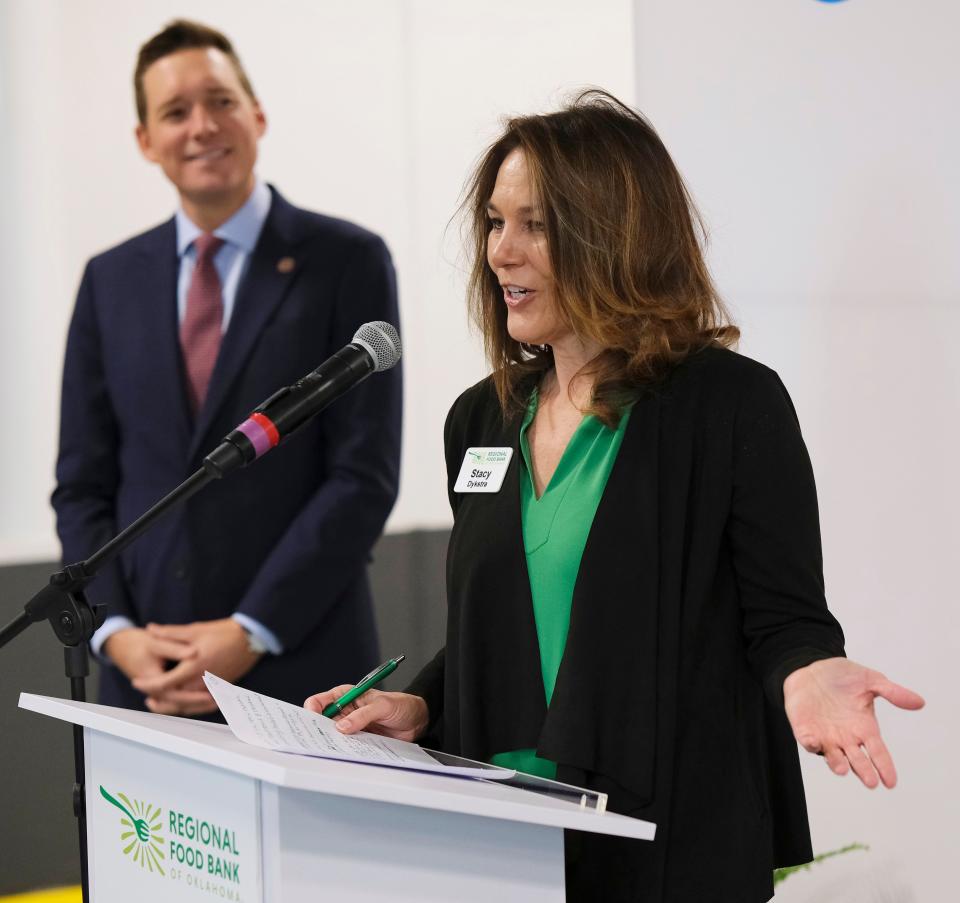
555,530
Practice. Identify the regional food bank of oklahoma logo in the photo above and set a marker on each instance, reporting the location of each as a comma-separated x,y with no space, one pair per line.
489,455
140,831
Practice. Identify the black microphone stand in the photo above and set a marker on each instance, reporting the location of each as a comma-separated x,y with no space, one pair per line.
62,602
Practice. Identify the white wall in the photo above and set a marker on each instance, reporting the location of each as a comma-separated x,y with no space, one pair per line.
823,145
376,111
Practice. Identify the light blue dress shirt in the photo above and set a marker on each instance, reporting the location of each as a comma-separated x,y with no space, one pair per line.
240,234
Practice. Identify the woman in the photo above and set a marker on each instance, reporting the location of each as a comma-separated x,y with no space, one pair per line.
639,608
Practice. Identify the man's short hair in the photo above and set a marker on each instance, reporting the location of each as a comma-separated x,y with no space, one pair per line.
182,34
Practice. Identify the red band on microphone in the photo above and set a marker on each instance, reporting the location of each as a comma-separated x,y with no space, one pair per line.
261,432
266,424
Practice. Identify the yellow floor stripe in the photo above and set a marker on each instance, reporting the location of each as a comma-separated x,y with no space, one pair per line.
57,895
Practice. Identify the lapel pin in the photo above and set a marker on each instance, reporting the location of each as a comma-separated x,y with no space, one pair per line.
286,265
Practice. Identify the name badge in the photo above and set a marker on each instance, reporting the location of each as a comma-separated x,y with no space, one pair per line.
483,469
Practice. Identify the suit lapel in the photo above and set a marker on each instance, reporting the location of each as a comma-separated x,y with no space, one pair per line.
607,673
263,287
628,511
491,602
159,267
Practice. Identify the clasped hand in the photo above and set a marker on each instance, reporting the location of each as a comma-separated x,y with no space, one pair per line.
143,654
830,706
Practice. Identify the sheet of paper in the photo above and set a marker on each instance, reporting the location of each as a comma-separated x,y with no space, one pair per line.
272,724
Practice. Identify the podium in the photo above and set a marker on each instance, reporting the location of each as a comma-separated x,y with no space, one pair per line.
181,809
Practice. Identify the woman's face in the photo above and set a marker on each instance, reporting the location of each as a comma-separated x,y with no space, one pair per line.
517,254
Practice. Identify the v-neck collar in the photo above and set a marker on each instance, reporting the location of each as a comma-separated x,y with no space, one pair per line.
586,432
559,472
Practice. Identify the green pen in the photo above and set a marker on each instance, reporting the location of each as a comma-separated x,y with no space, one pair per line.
371,680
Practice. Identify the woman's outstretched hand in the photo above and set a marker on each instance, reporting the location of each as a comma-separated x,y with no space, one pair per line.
830,707
397,715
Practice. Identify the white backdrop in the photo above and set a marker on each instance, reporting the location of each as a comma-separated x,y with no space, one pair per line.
823,145
376,111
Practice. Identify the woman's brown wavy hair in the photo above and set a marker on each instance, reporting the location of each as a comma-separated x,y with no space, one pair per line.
625,244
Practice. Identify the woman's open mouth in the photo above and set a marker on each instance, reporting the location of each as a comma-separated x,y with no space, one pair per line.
516,294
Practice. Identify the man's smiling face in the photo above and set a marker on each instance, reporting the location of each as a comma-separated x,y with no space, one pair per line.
201,127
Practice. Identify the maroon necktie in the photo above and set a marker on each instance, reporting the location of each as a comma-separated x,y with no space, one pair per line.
202,324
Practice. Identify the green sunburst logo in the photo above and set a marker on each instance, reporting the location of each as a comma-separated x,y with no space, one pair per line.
140,832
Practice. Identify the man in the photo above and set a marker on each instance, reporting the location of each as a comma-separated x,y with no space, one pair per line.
177,335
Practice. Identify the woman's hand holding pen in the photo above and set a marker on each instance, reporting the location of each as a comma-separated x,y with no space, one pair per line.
397,715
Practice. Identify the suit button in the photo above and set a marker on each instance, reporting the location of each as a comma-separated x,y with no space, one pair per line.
181,571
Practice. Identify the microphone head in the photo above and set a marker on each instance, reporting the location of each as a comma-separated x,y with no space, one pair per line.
381,341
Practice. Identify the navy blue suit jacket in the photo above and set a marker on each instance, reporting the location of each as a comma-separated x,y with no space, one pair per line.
285,541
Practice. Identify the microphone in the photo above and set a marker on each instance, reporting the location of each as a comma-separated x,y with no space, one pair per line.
375,347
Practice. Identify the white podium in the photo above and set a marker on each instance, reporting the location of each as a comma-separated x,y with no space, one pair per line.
180,809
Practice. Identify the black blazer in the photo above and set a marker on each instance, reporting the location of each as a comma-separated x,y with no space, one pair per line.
700,588
286,540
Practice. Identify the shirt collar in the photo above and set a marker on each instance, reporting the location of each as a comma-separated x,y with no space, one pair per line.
241,230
